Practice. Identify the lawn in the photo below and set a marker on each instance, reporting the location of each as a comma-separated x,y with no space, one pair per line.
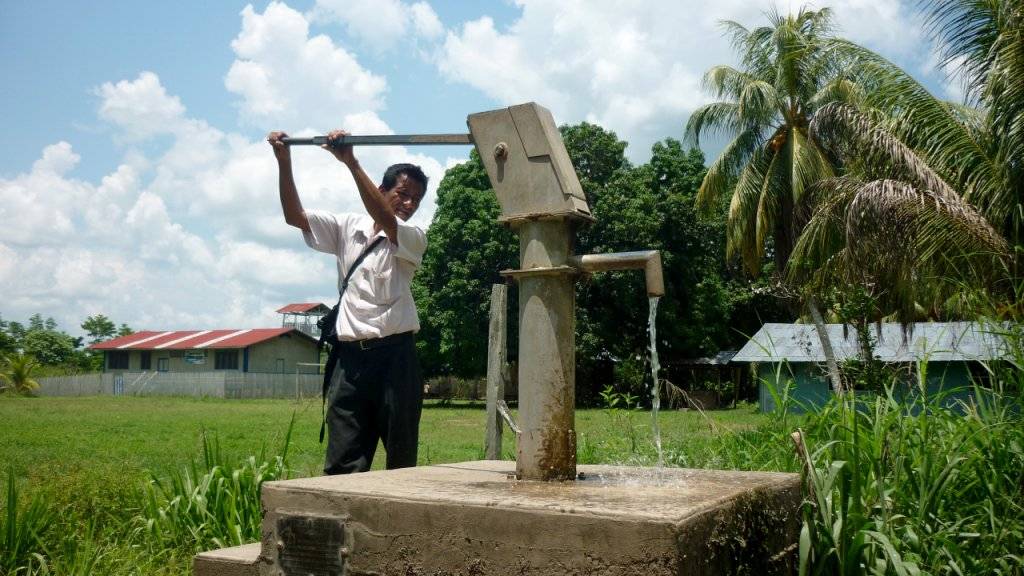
100,445
921,488
89,460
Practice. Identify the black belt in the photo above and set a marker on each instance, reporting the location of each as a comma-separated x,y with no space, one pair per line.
371,343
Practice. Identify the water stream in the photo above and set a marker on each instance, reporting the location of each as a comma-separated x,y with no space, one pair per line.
655,368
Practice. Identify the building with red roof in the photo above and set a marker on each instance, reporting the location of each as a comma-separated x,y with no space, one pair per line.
284,350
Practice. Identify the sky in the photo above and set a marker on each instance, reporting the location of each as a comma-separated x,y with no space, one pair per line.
135,180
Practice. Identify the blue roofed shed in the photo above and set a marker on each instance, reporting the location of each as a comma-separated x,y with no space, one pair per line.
954,351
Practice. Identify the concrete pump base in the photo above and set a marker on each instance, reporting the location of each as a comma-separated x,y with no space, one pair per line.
475,519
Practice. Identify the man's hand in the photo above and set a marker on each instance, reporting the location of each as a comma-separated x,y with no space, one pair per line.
342,153
281,150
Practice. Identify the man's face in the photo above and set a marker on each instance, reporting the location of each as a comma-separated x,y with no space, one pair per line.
404,197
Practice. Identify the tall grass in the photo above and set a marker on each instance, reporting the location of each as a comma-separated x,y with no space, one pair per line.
214,504
908,485
22,528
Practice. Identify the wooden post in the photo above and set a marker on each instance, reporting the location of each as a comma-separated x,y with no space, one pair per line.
496,372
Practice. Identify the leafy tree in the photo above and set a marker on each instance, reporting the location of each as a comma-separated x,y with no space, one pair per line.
8,344
125,330
645,207
36,322
467,249
16,375
17,333
49,346
99,328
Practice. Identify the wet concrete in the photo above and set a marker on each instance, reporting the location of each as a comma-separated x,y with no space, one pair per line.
474,518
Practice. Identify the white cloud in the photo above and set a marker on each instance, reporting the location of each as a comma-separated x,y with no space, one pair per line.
634,71
425,21
380,25
140,107
287,78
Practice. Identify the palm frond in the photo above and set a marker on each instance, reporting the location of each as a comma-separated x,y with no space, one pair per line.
774,192
741,226
938,227
725,169
840,124
758,103
716,118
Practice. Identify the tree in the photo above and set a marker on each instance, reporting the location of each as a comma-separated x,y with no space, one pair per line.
790,69
16,376
466,250
49,347
99,328
36,322
125,330
8,345
931,197
17,333
644,207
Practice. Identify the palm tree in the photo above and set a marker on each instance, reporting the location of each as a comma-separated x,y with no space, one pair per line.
17,375
931,191
790,69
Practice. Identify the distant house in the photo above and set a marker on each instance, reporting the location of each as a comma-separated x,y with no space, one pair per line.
954,351
266,350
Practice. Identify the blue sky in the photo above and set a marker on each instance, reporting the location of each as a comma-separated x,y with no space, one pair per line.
134,180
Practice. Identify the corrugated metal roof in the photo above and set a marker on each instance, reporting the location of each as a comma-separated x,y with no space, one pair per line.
302,307
937,341
195,339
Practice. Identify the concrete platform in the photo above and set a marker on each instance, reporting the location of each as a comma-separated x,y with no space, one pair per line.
235,561
474,518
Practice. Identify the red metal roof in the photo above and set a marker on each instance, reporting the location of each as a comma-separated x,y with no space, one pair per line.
193,339
301,307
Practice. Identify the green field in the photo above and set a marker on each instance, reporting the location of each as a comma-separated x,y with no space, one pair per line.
106,439
927,488
102,449
90,460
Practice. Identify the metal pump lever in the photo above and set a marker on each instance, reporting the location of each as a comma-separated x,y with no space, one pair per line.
385,140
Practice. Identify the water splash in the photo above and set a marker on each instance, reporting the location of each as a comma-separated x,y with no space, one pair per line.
655,368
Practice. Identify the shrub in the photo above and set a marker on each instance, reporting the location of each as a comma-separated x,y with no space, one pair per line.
215,505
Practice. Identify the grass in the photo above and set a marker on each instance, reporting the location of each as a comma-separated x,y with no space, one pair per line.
889,489
138,484
89,441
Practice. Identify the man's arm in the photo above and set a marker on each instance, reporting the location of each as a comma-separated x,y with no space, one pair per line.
290,203
372,196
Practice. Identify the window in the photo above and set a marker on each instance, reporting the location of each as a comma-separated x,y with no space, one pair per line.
145,360
162,364
226,360
117,360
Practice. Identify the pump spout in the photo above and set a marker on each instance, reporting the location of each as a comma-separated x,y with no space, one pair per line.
649,260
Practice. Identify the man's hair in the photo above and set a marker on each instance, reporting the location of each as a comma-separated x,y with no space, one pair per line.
411,171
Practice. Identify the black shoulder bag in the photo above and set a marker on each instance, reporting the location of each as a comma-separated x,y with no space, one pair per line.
329,334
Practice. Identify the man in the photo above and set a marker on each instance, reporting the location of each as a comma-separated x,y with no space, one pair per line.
375,391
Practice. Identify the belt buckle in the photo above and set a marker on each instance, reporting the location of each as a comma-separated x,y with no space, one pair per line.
362,344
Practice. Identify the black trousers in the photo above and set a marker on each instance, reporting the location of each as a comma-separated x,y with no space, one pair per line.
374,394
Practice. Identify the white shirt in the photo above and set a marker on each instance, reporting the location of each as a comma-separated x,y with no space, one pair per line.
378,301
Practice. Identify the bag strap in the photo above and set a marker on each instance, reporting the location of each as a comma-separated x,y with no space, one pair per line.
344,284
356,264
332,357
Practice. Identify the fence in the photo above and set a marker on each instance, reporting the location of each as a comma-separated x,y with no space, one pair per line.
198,384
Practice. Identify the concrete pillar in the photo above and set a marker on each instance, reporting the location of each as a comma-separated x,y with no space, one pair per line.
547,371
